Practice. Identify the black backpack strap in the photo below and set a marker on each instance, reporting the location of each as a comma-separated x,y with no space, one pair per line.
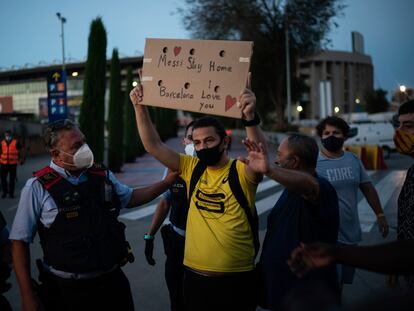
241,198
195,176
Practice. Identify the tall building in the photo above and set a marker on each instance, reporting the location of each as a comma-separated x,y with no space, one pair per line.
336,81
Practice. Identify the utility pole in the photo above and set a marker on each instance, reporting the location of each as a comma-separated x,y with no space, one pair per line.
288,94
62,21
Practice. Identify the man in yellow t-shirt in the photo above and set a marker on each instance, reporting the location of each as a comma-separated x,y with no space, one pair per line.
219,248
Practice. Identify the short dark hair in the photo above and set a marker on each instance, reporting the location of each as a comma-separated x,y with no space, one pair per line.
53,131
407,107
333,121
304,147
191,124
213,122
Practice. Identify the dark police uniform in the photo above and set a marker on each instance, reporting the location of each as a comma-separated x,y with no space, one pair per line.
173,236
84,247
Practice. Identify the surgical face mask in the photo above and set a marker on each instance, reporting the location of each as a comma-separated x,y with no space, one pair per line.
404,142
333,143
210,156
189,150
83,158
8,137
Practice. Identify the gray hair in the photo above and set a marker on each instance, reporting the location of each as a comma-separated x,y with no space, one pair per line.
304,147
54,131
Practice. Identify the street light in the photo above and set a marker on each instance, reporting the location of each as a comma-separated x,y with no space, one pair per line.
403,88
62,21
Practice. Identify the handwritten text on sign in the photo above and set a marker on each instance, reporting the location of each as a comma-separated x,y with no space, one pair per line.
204,76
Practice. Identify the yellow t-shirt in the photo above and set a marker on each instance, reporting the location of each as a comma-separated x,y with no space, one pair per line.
218,234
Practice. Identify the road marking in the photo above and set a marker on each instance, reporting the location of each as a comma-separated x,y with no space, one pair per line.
367,217
267,203
385,188
263,186
140,212
266,184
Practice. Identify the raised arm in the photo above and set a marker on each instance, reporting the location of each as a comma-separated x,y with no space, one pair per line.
149,135
296,181
251,122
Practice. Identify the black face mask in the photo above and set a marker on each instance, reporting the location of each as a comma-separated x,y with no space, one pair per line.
332,143
210,156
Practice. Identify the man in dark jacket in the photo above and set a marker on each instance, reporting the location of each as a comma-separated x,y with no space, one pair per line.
307,210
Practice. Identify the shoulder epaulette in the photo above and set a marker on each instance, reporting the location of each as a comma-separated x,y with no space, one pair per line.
98,169
47,177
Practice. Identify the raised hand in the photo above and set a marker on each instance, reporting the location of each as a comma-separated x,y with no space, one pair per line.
247,100
136,94
256,158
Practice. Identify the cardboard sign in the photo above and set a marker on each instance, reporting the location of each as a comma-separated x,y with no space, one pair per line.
204,76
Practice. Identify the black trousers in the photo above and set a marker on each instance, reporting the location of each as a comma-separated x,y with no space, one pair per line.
107,292
219,293
174,268
10,170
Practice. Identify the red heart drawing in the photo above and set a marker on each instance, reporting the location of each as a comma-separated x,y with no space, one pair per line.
177,50
230,102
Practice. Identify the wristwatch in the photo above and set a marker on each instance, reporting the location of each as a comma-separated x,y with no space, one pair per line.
148,237
256,120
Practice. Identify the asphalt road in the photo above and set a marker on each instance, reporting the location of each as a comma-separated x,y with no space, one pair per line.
147,282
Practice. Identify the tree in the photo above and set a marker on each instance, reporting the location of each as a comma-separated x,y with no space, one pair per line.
115,115
376,101
132,142
91,118
265,22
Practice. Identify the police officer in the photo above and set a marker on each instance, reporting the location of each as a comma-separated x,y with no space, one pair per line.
10,157
73,204
173,234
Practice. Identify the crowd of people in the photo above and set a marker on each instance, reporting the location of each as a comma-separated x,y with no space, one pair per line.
212,239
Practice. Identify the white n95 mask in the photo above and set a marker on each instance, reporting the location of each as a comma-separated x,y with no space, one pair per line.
189,150
83,158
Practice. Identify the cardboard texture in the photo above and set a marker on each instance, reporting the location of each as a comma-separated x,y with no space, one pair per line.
204,76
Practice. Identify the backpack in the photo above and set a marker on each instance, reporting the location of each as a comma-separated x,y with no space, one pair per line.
237,191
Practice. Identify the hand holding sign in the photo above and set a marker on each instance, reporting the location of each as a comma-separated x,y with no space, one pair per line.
197,75
247,100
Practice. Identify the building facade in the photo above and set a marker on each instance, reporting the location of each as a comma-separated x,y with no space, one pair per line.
25,90
336,81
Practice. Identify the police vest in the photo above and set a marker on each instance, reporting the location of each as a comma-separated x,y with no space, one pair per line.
179,204
9,152
86,235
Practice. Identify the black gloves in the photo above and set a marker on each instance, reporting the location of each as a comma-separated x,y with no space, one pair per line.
149,249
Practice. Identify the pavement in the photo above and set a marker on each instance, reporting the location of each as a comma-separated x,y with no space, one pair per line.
147,282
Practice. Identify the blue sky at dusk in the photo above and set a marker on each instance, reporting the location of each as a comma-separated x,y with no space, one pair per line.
30,31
